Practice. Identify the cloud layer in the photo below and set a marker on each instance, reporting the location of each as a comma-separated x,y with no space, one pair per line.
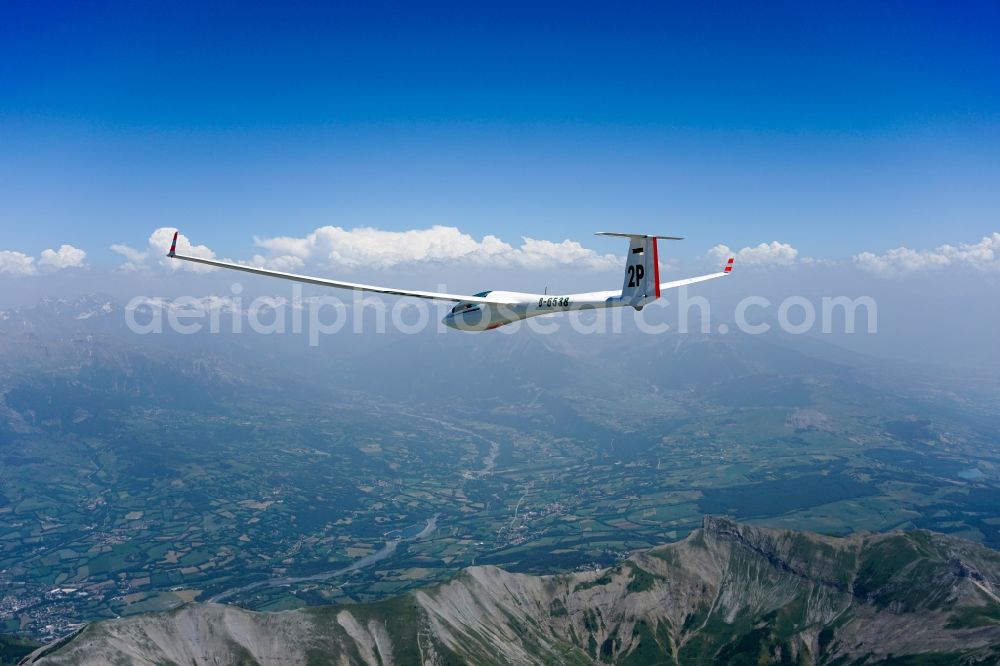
159,243
18,263
765,254
331,246
984,255
134,259
66,256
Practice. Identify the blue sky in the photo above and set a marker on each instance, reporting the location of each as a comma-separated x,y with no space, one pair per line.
835,127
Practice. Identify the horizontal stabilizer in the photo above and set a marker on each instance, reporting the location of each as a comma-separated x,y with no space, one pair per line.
620,234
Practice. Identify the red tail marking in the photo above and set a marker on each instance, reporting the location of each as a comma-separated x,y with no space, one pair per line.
656,267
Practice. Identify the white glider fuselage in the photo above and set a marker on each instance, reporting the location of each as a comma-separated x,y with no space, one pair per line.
486,316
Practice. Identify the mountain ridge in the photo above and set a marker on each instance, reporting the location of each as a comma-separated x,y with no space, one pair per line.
729,593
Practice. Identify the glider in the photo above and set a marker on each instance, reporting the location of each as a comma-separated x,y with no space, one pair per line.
490,309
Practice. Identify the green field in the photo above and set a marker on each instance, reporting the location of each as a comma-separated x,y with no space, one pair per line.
113,505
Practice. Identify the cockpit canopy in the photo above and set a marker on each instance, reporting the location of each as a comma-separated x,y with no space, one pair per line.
465,307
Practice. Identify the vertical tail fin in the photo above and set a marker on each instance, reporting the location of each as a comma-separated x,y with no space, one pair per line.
642,273
642,268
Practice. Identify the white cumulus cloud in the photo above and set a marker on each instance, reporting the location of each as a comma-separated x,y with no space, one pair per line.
159,244
286,263
66,256
16,263
984,255
19,263
134,259
765,254
331,246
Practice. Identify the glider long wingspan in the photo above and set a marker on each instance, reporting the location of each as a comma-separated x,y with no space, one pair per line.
334,283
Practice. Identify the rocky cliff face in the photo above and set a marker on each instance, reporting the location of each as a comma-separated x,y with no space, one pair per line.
729,593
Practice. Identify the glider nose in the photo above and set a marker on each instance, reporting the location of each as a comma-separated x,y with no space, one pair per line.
468,317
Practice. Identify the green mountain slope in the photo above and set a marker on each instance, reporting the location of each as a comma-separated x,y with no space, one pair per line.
13,648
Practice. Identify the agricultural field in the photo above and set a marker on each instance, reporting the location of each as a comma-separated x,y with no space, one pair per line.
130,484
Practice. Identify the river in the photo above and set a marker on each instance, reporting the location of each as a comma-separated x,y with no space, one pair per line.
388,549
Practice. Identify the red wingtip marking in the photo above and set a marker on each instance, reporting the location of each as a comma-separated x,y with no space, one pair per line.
173,245
729,265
